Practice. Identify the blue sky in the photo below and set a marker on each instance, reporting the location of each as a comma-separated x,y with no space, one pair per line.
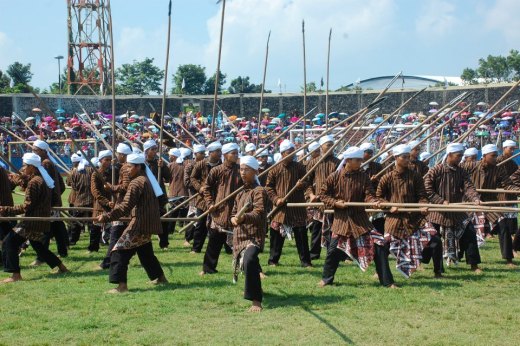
370,37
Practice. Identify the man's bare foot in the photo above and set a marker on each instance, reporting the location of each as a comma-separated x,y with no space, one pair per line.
322,283
186,244
375,276
262,276
36,263
160,281
257,307
193,252
14,278
476,269
202,273
511,265
272,264
394,286
121,288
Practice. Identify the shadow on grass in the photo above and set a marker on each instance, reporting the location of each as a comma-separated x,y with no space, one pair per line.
329,325
173,286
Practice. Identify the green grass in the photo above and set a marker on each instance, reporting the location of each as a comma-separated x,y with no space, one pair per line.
74,309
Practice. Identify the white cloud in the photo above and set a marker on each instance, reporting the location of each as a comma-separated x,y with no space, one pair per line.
357,27
503,16
437,18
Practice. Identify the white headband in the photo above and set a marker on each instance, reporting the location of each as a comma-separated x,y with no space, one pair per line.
104,153
401,149
367,146
124,149
149,144
199,148
326,139
34,160
250,147
471,152
214,146
228,147
137,159
509,143
454,148
286,145
489,148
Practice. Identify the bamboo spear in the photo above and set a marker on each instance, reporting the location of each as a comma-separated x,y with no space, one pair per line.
217,74
411,205
172,136
327,84
509,158
113,87
263,87
304,83
165,84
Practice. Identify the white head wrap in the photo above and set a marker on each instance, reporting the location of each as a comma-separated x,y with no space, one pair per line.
136,150
367,146
124,149
214,146
82,164
286,145
262,152
326,139
454,148
185,152
104,153
270,160
350,153
138,159
277,157
75,158
401,149
489,148
44,146
471,152
413,144
424,156
199,148
148,144
250,147
34,160
174,152
313,146
228,147
95,161
249,161
509,143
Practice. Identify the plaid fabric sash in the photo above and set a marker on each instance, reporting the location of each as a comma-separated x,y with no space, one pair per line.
450,241
286,231
360,250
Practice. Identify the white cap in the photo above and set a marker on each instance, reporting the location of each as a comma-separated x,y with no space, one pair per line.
148,144
413,144
454,148
34,160
41,145
250,147
124,149
199,148
214,146
249,161
471,152
424,156
185,152
174,152
104,153
228,147
326,139
277,157
75,158
353,153
286,145
401,149
137,159
367,146
489,148
313,146
509,143
262,152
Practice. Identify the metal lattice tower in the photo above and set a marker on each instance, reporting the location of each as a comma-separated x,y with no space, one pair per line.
89,60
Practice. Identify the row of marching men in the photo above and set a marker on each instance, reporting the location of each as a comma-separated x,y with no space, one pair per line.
350,233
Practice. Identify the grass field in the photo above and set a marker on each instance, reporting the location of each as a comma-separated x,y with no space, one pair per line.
73,309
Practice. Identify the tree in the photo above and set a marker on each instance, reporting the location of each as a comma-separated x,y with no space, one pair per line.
194,77
19,73
513,60
5,82
242,85
209,86
139,78
311,87
469,76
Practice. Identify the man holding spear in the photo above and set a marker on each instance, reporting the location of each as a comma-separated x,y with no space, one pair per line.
80,181
448,183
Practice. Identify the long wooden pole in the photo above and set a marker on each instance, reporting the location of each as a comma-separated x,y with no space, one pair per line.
165,84
113,87
263,88
327,84
172,136
304,83
217,75
410,205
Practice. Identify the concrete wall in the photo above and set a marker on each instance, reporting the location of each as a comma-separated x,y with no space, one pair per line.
248,104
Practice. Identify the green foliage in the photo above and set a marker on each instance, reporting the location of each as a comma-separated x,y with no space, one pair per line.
139,78
494,69
19,73
311,87
194,77
244,86
5,82
209,86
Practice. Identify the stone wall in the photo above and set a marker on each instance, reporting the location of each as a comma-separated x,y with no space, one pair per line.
248,104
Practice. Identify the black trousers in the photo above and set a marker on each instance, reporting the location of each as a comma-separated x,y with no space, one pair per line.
5,228
171,225
58,231
468,244
95,238
505,228
216,241
315,248
276,242
120,259
115,234
253,285
10,248
433,252
164,242
200,232
76,228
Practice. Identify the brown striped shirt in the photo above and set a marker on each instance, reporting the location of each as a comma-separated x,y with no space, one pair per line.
165,177
198,178
349,187
252,229
318,176
405,187
488,177
59,184
123,180
177,187
80,183
101,196
510,167
37,202
280,179
452,184
6,189
419,167
142,205
263,179
221,182
372,170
